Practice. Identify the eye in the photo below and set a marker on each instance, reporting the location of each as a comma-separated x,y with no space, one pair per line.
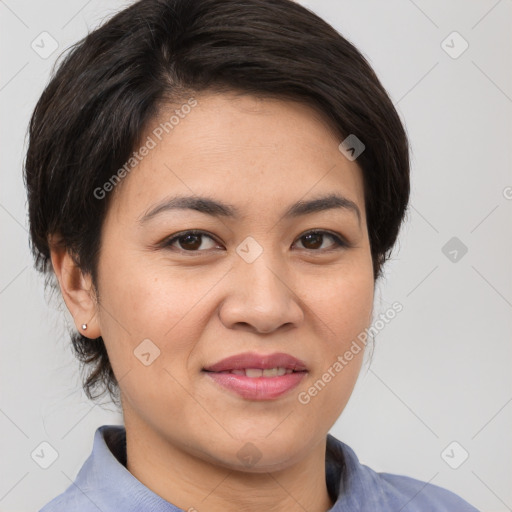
314,240
189,241
194,241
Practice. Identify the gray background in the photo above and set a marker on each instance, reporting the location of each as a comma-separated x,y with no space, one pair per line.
441,369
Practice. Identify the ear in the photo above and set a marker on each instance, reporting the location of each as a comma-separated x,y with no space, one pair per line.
76,288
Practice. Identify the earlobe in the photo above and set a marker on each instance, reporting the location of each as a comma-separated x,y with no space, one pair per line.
77,290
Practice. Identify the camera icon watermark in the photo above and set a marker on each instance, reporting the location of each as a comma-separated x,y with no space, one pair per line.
455,455
44,45
454,249
44,455
249,455
146,352
454,45
249,249
351,147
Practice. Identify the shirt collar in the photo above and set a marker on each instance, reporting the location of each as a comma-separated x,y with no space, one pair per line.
106,482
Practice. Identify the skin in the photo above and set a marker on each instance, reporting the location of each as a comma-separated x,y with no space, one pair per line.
310,300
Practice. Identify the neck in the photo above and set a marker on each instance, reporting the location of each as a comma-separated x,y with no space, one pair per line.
194,484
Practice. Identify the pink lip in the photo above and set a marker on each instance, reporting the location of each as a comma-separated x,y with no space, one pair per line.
257,388
252,360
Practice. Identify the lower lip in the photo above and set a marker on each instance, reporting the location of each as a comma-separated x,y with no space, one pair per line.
258,388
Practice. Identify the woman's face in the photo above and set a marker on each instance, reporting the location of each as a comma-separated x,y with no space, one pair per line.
252,282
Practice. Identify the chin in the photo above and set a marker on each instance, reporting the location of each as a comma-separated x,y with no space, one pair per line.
261,453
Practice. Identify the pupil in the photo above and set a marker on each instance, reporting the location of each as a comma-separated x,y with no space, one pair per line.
190,245
314,236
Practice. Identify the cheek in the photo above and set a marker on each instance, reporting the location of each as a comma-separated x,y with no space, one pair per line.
340,302
147,296
137,305
169,307
350,306
341,310
150,329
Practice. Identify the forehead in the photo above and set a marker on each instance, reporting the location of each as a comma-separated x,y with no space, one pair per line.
247,150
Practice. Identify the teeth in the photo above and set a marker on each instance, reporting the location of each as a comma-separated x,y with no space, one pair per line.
258,372
253,372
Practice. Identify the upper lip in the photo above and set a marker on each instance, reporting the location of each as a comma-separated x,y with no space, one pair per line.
253,360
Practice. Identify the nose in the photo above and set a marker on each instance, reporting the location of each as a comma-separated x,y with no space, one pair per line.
261,298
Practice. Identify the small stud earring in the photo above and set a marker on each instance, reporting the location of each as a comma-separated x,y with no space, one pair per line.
84,327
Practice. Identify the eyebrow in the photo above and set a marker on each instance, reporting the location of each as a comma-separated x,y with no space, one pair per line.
216,208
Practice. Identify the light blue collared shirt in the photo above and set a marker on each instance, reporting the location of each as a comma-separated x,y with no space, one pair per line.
103,484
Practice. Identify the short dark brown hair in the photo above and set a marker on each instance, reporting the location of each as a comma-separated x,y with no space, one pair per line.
157,52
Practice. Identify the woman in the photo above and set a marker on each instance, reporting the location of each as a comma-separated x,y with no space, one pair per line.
216,185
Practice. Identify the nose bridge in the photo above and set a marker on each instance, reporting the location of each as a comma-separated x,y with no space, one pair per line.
262,278
260,295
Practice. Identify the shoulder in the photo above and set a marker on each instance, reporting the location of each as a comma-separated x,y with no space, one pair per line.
92,487
70,501
415,495
361,488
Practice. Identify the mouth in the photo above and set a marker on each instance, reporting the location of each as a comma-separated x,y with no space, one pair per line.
255,373
252,362
257,377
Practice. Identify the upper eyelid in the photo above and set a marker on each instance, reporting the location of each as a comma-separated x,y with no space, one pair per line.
173,238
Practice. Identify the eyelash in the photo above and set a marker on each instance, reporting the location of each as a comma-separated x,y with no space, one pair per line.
339,242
